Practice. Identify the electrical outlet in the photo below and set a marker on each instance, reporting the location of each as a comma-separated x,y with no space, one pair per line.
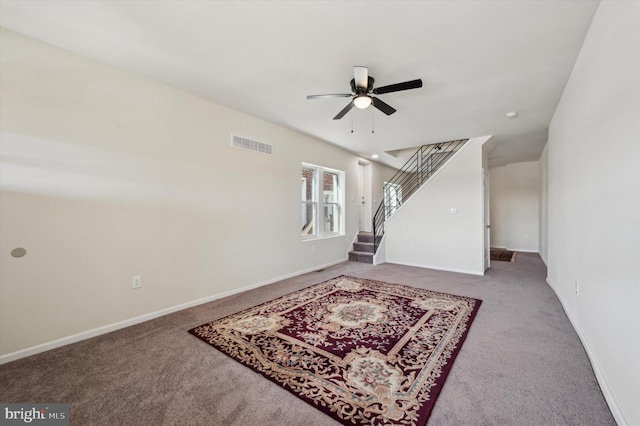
577,289
136,282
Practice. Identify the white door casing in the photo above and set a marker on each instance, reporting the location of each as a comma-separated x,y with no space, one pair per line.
364,197
486,222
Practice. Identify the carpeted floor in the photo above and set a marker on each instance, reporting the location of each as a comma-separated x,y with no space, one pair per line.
522,362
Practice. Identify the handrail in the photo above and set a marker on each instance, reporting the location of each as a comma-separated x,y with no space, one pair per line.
416,171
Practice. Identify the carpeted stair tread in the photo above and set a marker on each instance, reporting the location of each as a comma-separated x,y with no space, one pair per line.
363,247
361,256
365,237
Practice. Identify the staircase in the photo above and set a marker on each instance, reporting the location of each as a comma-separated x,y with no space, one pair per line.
363,248
416,171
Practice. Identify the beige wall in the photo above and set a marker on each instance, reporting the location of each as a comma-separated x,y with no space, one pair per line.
107,174
499,206
594,202
425,233
515,206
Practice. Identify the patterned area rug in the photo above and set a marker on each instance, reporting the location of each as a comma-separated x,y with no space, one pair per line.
503,255
362,351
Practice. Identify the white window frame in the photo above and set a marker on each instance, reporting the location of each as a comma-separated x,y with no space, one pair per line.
392,198
318,202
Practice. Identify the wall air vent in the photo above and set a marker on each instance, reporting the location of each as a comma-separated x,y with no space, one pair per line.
251,145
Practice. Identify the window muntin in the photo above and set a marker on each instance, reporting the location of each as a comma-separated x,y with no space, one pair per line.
322,202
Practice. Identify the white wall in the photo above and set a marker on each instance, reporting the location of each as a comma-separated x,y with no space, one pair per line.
499,202
107,174
425,233
515,206
594,202
544,205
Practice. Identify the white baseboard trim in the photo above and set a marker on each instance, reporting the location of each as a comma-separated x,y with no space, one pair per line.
608,396
438,268
43,347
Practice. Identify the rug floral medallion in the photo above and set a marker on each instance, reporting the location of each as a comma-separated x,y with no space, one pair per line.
362,351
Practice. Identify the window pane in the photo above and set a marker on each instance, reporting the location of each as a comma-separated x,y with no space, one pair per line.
308,218
331,217
308,178
392,198
331,195
330,187
309,201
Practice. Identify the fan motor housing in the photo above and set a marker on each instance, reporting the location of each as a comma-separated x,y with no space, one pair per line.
358,90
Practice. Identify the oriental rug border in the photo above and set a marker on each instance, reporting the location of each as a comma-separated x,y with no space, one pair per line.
360,350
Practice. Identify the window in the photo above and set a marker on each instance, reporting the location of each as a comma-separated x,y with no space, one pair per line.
322,202
392,198
309,203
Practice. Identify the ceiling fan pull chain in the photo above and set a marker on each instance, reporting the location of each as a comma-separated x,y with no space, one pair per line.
351,123
372,121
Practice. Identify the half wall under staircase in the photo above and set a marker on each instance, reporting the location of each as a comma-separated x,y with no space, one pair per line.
420,167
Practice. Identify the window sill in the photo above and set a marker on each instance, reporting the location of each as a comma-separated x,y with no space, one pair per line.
323,237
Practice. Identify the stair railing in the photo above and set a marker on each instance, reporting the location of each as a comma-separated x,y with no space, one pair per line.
416,171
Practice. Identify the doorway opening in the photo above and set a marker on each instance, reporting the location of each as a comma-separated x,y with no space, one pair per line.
364,197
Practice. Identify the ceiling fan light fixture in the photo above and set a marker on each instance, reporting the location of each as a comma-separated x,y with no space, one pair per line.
362,101
362,89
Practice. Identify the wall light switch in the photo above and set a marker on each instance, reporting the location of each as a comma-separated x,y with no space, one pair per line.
453,210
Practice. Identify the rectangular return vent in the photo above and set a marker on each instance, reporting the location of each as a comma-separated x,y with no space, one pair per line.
251,145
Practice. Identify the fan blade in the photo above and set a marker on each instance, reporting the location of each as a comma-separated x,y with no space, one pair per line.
344,111
361,77
387,109
337,95
413,84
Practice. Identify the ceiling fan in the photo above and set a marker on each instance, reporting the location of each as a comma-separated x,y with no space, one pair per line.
362,88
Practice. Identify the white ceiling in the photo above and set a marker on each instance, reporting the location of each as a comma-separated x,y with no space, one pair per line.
477,59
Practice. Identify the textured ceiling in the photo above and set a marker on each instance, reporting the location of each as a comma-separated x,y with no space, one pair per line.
477,59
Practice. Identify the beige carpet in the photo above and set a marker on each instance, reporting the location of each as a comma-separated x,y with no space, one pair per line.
523,364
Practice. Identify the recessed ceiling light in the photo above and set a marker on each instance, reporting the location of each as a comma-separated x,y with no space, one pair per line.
374,156
512,114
